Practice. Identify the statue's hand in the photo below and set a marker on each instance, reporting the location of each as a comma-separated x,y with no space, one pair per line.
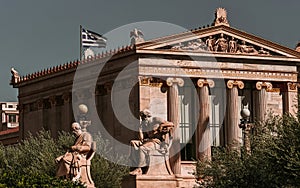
74,148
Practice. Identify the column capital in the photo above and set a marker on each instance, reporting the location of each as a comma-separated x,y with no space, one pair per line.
205,82
108,86
292,86
66,97
233,83
40,104
171,81
260,85
145,80
52,100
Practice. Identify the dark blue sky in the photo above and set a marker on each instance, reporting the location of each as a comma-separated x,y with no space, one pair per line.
39,34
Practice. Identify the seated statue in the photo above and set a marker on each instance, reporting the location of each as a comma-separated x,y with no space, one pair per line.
75,163
153,135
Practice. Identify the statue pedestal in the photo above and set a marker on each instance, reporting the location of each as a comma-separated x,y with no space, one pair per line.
158,174
149,181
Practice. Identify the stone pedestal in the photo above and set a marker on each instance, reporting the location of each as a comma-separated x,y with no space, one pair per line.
149,181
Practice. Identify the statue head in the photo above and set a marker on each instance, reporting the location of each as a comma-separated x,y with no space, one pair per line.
145,114
76,129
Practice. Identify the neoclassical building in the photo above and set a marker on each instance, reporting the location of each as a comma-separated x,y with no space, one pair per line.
200,80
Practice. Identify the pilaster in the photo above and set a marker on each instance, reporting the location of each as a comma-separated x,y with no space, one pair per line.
289,98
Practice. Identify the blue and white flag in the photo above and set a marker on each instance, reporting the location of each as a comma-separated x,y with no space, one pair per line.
92,39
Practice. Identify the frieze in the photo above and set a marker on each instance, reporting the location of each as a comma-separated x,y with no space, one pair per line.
218,73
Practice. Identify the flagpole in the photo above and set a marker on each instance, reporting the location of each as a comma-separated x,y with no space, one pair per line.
80,53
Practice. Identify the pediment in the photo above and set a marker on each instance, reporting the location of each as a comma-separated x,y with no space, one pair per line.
219,39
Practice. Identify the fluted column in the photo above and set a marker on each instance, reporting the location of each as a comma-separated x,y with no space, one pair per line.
261,106
173,113
289,99
232,113
203,142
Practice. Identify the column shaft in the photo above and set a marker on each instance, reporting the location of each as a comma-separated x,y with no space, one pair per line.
174,117
173,113
203,141
232,113
262,99
232,119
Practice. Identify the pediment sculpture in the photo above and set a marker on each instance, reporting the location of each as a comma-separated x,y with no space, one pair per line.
221,17
222,43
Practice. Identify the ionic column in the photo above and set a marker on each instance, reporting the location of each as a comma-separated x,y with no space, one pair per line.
173,113
261,106
232,113
203,131
289,99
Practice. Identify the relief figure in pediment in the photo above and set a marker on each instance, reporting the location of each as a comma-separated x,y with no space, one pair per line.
221,44
263,52
177,46
232,45
210,43
243,48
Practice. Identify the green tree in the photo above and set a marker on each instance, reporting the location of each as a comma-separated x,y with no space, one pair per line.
274,160
31,163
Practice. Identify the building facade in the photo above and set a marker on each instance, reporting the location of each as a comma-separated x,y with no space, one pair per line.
199,80
9,124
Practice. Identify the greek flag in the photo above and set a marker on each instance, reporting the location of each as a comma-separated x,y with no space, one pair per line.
92,39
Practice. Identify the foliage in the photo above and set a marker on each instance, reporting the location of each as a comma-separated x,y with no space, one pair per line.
104,172
15,179
31,163
274,160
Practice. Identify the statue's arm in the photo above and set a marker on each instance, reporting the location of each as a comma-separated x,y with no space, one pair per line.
141,134
85,146
81,148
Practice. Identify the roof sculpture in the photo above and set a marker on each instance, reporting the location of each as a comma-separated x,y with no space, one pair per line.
219,38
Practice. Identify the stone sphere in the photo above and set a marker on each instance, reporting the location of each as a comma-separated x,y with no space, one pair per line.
83,109
245,113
